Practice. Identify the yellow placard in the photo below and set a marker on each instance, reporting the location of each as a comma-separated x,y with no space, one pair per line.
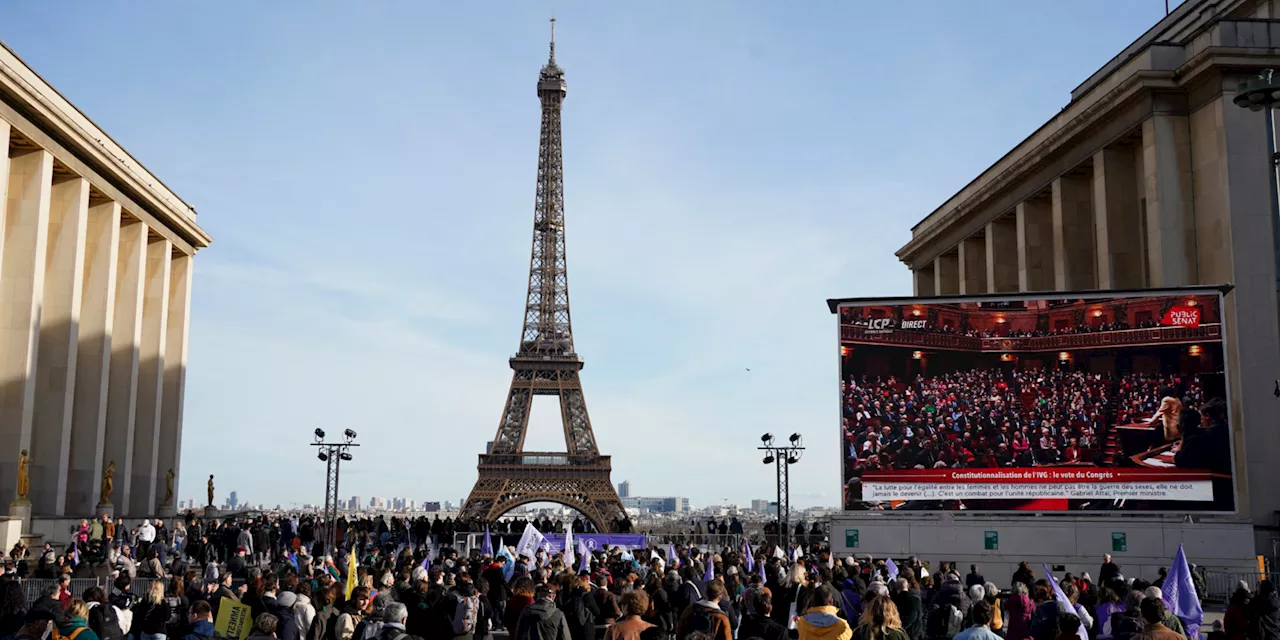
234,619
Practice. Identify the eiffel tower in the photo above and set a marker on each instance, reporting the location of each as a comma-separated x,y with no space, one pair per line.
546,365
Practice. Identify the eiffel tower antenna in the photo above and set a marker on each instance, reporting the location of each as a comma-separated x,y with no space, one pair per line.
553,38
546,364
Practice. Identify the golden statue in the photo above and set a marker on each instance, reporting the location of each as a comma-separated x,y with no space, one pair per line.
211,490
108,483
24,482
168,490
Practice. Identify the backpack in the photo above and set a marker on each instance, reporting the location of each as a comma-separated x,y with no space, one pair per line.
368,630
701,619
324,625
72,636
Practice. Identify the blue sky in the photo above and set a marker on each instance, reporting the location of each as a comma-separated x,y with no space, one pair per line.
367,172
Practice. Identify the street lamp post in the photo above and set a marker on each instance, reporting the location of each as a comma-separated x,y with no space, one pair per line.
783,456
332,454
1261,94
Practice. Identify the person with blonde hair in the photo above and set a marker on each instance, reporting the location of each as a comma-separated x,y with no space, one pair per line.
151,615
75,622
879,621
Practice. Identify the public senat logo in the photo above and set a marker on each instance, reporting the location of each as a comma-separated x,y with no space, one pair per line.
1180,316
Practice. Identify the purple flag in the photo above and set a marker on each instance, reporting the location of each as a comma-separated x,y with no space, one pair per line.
893,569
1179,593
711,569
586,556
672,558
747,556
760,566
486,547
75,554
426,560
1063,600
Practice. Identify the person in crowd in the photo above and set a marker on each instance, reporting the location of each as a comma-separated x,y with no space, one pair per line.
151,614
979,621
37,625
910,609
974,578
1128,623
351,615
1108,605
522,595
1263,613
757,623
303,611
201,622
1069,626
1019,611
397,616
49,601
632,625
1153,614
75,622
822,621
1235,622
264,627
13,608
542,620
879,621
102,618
1109,571
706,616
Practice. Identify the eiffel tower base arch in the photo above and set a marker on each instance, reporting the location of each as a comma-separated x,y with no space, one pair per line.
578,482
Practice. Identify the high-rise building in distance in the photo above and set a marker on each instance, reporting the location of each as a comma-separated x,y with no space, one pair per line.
624,489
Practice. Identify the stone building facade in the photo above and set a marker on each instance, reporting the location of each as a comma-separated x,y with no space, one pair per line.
1149,177
96,259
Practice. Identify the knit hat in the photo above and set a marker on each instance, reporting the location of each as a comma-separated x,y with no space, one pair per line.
287,599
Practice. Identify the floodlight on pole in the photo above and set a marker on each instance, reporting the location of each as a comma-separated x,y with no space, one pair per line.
783,456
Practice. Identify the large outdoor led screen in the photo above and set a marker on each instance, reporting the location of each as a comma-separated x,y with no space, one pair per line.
1038,404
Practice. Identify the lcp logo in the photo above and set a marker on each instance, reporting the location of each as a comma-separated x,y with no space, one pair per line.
879,325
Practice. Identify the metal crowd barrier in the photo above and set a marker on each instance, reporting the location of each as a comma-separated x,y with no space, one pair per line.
33,588
1219,585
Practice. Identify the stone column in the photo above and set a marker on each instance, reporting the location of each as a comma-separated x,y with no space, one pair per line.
93,363
973,265
946,273
175,378
59,339
1034,221
126,340
1002,255
1166,160
924,280
1116,211
26,224
146,426
1073,234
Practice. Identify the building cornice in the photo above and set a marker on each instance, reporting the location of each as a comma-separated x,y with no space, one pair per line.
947,215
49,110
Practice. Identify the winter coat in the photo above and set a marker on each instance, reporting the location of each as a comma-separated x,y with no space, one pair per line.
911,612
823,623
1017,617
542,621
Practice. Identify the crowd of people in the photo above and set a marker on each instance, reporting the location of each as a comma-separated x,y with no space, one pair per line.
382,583
993,418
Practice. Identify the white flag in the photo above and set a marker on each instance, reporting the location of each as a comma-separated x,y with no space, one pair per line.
530,542
568,548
